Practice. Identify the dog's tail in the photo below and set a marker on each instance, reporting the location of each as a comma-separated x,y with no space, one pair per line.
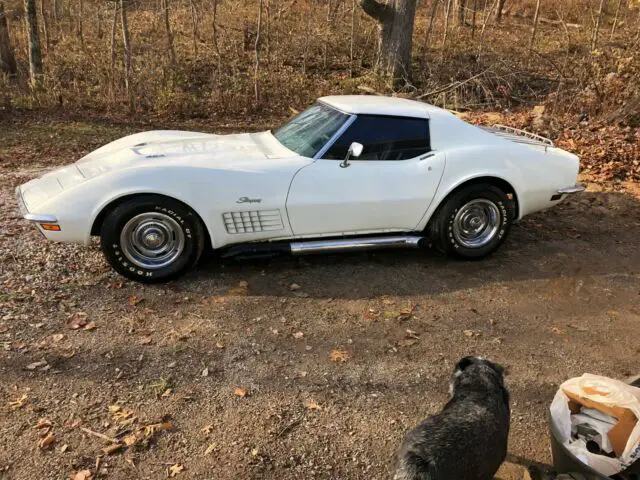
413,467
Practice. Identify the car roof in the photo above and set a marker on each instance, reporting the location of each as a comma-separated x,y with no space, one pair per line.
379,105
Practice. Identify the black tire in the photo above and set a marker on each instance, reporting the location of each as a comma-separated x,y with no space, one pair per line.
148,221
446,228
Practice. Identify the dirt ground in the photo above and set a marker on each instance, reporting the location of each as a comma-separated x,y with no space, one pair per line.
229,372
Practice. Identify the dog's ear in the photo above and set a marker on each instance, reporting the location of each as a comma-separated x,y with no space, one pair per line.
464,363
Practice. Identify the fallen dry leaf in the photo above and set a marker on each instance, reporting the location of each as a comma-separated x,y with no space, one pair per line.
387,301
240,290
207,429
219,345
239,392
43,423
34,365
56,337
129,440
81,475
294,286
135,300
64,448
77,320
47,441
468,333
146,341
312,405
210,448
339,355
90,326
557,331
298,335
175,469
407,342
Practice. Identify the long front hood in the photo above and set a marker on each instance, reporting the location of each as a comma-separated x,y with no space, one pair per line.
158,148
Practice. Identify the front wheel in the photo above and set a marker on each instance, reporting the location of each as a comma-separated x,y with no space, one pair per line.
473,222
152,239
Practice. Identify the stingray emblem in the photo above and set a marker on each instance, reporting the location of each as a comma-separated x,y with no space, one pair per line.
248,200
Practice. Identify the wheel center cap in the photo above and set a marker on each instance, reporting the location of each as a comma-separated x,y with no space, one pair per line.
476,222
153,239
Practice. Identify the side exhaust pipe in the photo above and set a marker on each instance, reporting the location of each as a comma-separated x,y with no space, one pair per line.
355,244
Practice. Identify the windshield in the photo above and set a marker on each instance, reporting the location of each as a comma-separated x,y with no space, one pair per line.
309,131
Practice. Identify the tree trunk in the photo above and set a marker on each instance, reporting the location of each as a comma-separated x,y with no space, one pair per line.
434,11
534,29
351,41
81,22
215,28
596,30
45,24
56,12
268,32
459,9
327,31
473,18
7,59
35,53
447,12
498,13
396,21
114,44
167,29
194,24
615,19
128,80
256,86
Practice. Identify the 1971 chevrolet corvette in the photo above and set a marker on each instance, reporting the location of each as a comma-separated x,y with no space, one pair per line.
349,173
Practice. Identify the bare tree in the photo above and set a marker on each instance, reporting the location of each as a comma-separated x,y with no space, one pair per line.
215,28
447,12
615,18
498,12
195,20
351,40
596,29
459,9
7,59
256,87
81,22
169,35
473,18
434,11
56,12
126,40
534,29
45,23
327,31
35,53
114,44
396,20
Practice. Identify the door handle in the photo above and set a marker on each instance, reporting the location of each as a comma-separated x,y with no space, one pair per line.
428,155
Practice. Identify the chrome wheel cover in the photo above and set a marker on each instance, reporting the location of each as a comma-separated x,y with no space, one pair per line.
152,240
476,223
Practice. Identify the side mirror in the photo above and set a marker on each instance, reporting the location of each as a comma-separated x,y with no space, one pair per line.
355,150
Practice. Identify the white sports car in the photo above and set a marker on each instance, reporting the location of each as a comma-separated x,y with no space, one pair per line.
351,172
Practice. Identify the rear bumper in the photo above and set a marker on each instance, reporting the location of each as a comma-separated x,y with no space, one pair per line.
577,188
563,192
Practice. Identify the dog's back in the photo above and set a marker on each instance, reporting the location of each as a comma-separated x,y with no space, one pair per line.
468,439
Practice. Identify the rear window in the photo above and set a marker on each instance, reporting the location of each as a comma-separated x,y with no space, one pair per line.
383,138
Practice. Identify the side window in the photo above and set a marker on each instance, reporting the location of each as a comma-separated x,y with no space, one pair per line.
383,138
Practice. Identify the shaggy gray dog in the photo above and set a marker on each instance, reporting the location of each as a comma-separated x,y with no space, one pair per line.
468,439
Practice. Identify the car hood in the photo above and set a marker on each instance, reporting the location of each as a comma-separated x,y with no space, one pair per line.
157,148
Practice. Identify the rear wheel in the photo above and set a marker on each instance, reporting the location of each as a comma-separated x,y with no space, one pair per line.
473,222
152,238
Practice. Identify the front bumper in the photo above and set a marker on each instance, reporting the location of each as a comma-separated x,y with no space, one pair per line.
563,192
39,219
